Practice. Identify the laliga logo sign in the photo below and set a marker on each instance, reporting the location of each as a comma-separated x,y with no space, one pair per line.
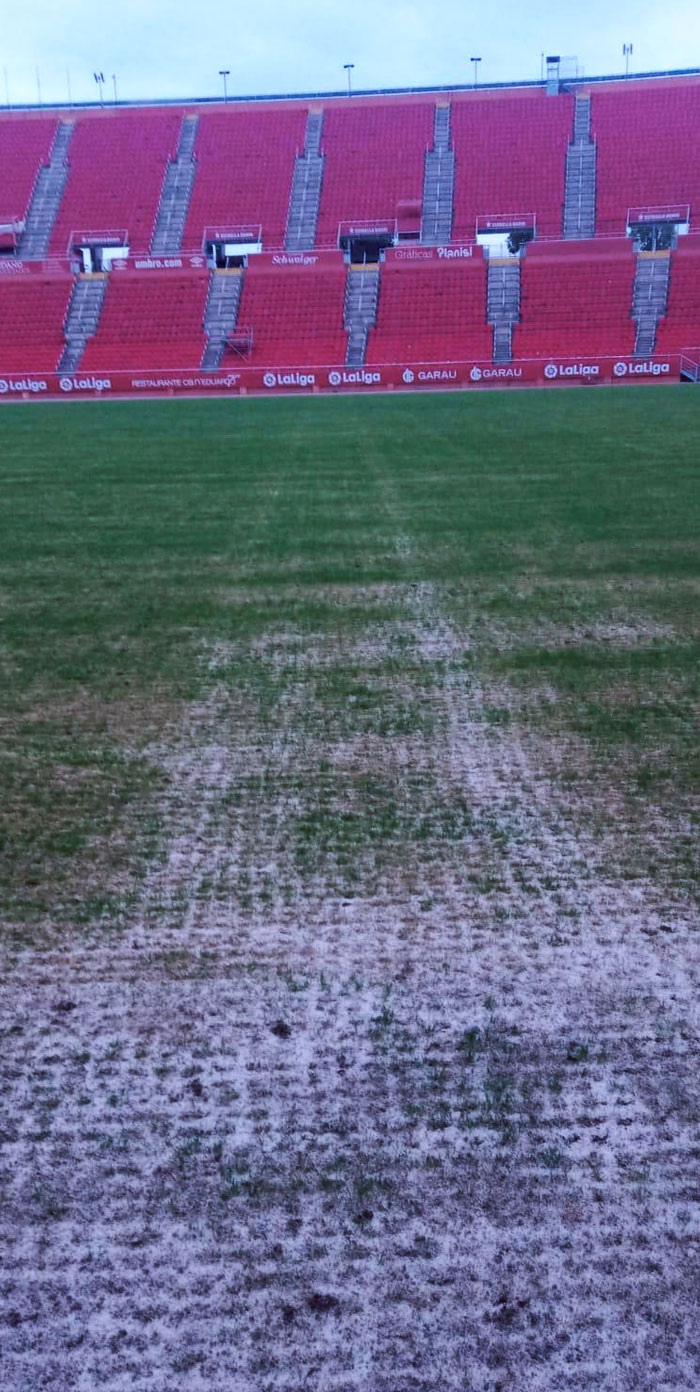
289,379
571,370
641,369
362,377
69,384
26,384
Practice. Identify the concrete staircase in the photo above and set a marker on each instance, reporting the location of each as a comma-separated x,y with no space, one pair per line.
650,298
46,198
305,195
361,300
82,318
438,183
221,314
579,197
176,193
503,303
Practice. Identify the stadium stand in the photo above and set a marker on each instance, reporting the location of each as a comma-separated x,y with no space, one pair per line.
32,312
296,318
510,157
25,146
647,138
150,322
576,303
375,159
117,164
166,176
245,163
432,314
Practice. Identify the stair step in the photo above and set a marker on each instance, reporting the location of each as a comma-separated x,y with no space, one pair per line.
649,299
580,176
438,183
46,198
220,315
305,192
176,192
503,305
360,314
82,320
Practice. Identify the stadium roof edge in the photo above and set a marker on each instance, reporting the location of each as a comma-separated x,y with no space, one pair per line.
232,100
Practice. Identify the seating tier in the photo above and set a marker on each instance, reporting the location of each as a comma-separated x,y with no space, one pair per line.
576,308
150,321
647,138
32,312
296,318
117,166
434,313
680,328
24,146
245,164
375,157
510,157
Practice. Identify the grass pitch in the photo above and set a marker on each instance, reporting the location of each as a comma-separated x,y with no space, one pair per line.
348,862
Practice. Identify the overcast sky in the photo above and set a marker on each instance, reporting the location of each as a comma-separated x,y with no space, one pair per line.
167,48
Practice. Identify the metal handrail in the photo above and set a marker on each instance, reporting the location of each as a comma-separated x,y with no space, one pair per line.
232,99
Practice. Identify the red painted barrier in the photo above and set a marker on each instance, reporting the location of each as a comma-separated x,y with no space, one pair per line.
12,269
415,255
393,376
196,261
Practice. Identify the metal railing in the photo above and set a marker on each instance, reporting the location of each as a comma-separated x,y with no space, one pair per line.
690,369
440,88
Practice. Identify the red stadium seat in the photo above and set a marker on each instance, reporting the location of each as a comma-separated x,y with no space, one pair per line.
375,156
32,311
681,327
245,163
576,306
647,137
150,320
296,317
24,146
117,166
434,313
510,157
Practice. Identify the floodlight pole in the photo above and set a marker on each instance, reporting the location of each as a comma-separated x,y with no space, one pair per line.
348,68
114,84
225,72
627,51
475,61
100,80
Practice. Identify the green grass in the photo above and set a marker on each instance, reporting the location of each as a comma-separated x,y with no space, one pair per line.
278,553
